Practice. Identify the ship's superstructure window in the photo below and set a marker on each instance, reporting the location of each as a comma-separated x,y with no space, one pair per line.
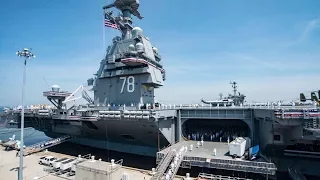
277,137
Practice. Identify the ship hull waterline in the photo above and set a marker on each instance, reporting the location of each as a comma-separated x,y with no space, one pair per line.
135,137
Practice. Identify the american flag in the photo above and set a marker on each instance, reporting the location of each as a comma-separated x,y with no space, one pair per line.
108,23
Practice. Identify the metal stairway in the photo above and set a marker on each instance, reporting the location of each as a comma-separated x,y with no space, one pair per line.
163,165
295,175
176,168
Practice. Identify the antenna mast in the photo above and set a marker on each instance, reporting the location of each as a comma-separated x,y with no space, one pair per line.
234,86
123,21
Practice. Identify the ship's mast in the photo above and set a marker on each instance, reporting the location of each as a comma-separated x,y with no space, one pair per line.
234,86
124,21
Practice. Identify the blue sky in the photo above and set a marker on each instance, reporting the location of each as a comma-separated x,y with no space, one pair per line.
272,48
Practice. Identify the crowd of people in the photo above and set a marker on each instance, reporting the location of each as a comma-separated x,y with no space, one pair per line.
214,133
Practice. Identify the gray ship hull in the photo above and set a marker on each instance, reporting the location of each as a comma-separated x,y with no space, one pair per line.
135,137
119,147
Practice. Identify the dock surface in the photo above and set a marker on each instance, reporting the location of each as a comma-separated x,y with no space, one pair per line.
203,156
9,165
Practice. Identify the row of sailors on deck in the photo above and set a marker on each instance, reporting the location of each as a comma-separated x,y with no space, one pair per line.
215,134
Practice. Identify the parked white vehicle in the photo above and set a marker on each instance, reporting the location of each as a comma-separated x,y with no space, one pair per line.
47,160
67,164
57,163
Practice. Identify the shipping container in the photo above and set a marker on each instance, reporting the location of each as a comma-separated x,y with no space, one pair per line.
237,147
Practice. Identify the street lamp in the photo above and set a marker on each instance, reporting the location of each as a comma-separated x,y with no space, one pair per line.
26,54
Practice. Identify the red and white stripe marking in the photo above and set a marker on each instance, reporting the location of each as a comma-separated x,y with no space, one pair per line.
317,114
293,114
297,114
141,61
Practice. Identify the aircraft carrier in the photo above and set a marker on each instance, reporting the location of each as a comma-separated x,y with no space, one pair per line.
124,116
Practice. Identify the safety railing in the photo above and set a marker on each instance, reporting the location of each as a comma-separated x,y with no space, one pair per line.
295,175
219,177
163,165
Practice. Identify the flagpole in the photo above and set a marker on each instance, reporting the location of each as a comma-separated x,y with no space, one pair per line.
104,35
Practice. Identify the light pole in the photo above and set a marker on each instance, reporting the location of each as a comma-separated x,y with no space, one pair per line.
26,54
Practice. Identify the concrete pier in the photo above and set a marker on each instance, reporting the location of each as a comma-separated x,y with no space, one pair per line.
9,165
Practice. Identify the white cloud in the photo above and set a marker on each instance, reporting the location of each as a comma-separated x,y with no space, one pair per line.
256,89
260,62
230,64
310,26
186,83
189,79
281,62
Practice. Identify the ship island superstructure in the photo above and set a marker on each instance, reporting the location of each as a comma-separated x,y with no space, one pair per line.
124,116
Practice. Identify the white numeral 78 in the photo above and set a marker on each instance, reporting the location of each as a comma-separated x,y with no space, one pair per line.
130,83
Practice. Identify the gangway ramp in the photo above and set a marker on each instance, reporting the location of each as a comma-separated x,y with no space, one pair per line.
174,166
46,144
169,164
163,165
296,175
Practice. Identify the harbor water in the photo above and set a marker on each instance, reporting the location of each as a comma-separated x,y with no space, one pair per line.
31,136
